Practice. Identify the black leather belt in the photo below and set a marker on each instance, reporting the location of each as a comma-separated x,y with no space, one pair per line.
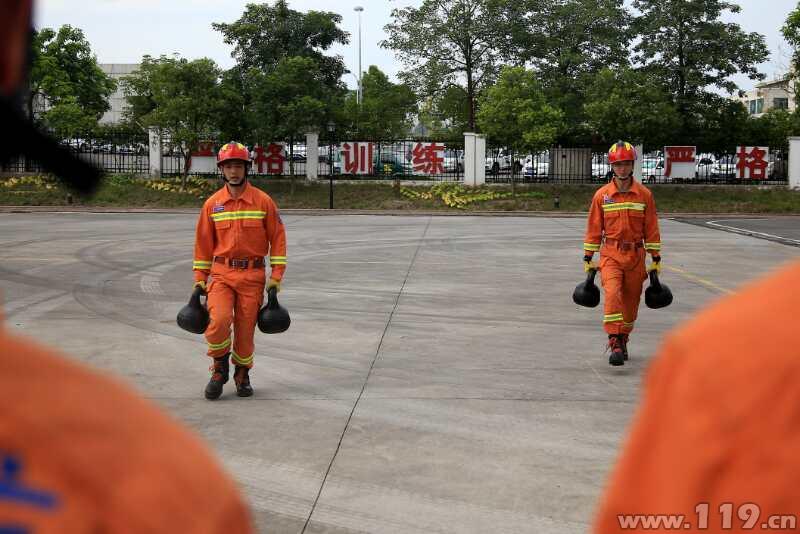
623,245
240,263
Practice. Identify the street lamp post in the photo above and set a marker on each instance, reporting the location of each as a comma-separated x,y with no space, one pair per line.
331,128
360,96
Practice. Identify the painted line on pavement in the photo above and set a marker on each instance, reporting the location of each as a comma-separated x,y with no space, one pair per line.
752,233
702,281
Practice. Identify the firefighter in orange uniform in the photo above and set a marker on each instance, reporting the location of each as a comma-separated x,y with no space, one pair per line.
81,452
238,226
717,434
622,226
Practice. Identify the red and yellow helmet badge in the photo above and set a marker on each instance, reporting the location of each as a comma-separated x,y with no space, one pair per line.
232,150
621,151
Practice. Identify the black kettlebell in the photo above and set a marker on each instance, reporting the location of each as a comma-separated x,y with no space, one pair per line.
194,316
657,295
587,293
273,318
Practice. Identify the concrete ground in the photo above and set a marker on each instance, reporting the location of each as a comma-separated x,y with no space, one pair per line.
784,229
436,378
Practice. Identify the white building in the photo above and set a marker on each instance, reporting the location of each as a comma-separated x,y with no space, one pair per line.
117,100
774,94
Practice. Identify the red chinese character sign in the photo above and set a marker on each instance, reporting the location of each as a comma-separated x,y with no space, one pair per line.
680,161
357,158
428,158
752,162
273,158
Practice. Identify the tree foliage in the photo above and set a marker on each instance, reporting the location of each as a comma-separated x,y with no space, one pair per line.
267,34
66,81
515,113
386,108
632,105
446,43
181,97
685,44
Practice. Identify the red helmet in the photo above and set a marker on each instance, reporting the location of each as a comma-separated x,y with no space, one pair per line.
233,151
621,151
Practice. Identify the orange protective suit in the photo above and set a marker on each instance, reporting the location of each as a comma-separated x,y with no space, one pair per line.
719,421
233,237
82,453
622,226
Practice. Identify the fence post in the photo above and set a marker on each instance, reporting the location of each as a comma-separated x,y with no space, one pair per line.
155,152
637,165
312,156
794,162
474,159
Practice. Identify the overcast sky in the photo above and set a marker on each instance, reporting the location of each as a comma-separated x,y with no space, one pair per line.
122,31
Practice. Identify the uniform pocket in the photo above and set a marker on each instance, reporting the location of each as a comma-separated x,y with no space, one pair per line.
222,225
636,218
611,223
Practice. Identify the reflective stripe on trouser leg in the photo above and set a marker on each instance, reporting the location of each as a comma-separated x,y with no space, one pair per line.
611,276
242,361
249,286
632,295
220,309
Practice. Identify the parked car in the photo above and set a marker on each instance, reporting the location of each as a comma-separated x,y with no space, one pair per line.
453,162
537,165
724,168
503,160
389,163
601,168
652,170
704,166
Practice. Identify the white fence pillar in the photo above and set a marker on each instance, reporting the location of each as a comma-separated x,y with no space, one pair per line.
155,152
794,162
637,165
474,159
312,156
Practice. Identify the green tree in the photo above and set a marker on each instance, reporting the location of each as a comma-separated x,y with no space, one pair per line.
272,45
567,42
65,77
515,113
290,100
791,32
264,35
181,97
386,108
446,43
773,129
684,43
722,124
631,105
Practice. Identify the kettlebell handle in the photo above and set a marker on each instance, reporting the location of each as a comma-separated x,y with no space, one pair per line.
654,281
272,298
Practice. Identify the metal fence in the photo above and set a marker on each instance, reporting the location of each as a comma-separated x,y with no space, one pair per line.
126,151
587,166
406,159
113,151
422,160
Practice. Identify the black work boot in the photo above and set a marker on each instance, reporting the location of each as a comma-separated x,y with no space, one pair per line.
219,376
242,378
625,346
617,356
